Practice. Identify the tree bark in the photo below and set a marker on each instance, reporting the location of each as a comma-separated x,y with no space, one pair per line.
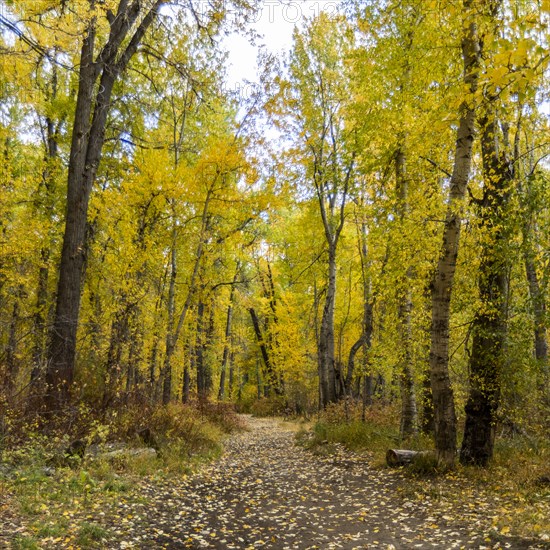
88,136
269,368
12,363
204,375
536,292
409,416
173,334
171,306
327,363
489,325
227,342
442,284
367,329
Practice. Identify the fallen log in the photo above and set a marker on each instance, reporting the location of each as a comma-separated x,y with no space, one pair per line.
401,457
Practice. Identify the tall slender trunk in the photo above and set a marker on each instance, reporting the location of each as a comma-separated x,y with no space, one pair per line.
365,339
202,388
173,332
12,362
231,374
171,307
327,365
442,283
538,300
113,367
227,342
409,416
42,295
489,325
271,377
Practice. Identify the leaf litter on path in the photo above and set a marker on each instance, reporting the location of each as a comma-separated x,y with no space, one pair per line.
267,492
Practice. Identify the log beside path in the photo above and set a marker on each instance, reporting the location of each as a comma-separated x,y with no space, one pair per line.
401,457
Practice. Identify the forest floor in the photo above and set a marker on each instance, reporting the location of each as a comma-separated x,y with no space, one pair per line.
267,491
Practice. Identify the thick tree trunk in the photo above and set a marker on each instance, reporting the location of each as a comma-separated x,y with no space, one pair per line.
442,284
88,136
489,325
62,348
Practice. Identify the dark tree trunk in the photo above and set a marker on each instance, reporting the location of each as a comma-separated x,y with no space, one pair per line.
227,342
39,322
427,418
202,368
272,381
113,366
135,336
231,374
153,366
12,363
489,325
186,384
170,340
47,206
88,135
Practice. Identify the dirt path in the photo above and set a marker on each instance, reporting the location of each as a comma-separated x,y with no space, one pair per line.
267,492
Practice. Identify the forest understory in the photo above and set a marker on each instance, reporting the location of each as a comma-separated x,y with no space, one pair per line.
277,484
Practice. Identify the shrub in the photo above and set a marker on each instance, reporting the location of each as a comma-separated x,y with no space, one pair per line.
268,406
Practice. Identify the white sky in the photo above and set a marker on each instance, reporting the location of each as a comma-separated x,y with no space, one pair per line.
275,22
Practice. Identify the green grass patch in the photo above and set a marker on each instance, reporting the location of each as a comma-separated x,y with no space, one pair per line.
90,534
25,543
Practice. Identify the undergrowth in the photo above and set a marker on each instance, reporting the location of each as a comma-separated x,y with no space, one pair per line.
55,496
517,481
